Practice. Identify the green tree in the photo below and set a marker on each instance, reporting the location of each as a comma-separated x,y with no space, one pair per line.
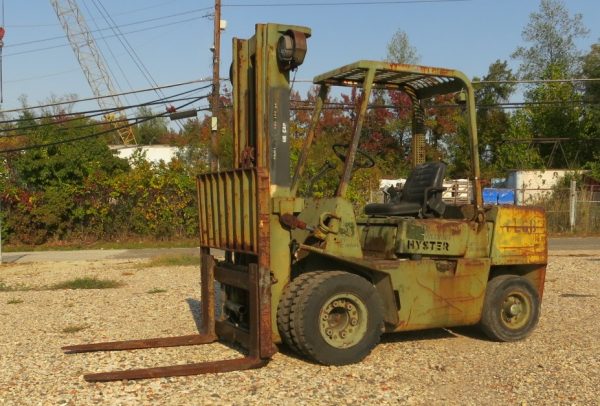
591,70
66,163
493,121
551,34
151,131
399,49
557,112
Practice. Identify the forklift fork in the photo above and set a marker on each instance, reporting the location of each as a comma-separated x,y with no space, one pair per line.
257,339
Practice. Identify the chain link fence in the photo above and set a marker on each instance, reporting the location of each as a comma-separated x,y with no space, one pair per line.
573,209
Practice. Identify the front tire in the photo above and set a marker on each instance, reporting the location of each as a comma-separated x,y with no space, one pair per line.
336,318
511,309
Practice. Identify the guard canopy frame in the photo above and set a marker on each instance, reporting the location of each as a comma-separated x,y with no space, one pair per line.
419,83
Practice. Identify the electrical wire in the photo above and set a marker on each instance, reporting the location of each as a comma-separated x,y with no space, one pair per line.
16,132
117,94
107,36
110,27
84,137
94,113
88,125
115,59
341,3
129,49
161,4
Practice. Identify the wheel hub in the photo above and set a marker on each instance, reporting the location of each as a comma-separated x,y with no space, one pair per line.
515,310
343,320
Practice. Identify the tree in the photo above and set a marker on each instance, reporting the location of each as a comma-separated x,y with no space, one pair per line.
493,121
556,110
591,70
399,49
149,132
551,33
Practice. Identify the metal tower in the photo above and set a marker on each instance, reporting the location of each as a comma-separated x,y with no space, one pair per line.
92,63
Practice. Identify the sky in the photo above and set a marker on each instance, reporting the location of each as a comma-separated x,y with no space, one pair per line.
173,38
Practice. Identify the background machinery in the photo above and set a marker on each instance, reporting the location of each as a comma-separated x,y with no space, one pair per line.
93,65
311,273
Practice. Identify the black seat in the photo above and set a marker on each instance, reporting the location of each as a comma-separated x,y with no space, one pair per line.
421,195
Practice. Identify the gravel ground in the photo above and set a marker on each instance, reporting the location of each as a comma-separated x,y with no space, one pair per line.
558,364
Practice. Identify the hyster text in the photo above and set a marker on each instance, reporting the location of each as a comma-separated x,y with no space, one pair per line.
427,245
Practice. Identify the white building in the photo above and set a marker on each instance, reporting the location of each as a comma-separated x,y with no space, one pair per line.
153,153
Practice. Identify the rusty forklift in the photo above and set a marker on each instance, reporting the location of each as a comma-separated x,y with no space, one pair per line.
312,274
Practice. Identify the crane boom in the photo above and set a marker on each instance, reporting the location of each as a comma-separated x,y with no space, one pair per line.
92,63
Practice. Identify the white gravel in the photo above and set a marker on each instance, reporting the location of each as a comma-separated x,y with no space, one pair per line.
558,364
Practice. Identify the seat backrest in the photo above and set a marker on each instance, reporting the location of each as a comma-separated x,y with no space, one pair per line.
423,176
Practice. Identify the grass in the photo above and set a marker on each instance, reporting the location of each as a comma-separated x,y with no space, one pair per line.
156,290
87,283
75,328
171,260
120,244
14,301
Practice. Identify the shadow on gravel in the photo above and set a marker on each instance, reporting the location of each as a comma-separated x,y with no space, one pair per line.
433,334
576,295
196,310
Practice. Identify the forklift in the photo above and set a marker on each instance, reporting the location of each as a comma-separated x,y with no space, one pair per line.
314,275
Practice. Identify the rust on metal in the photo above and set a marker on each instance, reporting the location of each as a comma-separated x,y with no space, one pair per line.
179,341
211,367
227,213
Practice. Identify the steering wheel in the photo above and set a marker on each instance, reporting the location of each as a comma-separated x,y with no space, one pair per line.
340,149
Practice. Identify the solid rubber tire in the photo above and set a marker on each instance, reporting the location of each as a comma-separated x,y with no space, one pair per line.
285,307
304,317
496,292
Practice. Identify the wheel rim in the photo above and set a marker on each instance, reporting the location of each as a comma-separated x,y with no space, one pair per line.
343,320
516,310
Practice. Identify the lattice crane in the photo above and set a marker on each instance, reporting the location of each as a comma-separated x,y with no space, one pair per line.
93,65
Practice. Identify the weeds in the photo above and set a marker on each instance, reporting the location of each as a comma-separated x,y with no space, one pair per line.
171,260
87,283
75,328
156,290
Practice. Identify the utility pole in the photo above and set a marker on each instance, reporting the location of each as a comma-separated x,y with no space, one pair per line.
214,135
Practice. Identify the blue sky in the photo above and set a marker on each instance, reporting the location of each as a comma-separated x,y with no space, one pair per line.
467,35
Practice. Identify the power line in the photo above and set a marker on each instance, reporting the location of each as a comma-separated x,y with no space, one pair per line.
88,125
516,81
94,113
61,118
307,104
110,27
150,89
129,49
107,36
161,4
341,3
116,61
538,81
84,137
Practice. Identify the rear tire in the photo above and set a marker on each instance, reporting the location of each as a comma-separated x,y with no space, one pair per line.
336,318
511,308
